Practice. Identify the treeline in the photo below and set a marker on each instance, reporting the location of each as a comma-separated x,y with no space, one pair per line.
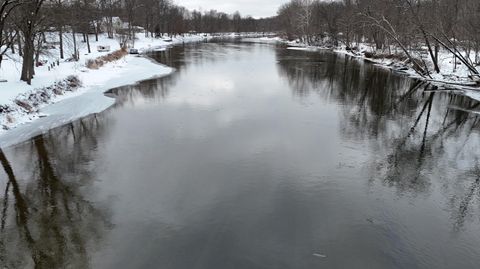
24,24
409,25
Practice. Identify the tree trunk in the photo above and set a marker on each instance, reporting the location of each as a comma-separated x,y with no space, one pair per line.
27,66
12,42
476,55
88,43
110,27
97,25
75,54
429,47
60,35
32,61
378,42
37,53
19,43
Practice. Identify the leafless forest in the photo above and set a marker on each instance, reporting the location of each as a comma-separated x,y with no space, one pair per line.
394,27
405,25
23,23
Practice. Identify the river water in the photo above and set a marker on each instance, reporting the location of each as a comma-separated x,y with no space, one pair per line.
251,156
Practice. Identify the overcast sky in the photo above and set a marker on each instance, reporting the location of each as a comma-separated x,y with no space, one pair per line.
255,8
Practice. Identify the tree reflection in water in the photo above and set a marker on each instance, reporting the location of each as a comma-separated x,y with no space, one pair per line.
47,221
418,135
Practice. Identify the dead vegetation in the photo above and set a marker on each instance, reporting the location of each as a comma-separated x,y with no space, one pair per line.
30,102
397,57
101,61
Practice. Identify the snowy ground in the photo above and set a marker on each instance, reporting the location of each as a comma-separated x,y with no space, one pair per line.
11,67
265,40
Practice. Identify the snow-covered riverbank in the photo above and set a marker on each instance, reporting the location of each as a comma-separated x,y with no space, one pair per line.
18,124
453,76
89,99
60,107
127,70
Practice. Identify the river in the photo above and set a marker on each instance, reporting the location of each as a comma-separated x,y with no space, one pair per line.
251,156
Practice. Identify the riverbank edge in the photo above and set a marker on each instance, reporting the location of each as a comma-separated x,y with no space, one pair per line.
20,112
464,86
27,107
23,117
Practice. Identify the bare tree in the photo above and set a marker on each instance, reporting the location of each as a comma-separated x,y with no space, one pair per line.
29,19
7,36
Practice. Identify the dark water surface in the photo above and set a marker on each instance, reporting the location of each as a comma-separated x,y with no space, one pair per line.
251,156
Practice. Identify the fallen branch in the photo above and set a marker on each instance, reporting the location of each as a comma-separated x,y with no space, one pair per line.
460,57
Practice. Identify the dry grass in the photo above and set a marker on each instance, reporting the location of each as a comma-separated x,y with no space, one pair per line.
9,119
100,61
5,109
397,57
73,82
30,102
26,106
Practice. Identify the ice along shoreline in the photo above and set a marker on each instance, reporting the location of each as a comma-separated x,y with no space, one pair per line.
90,98
20,124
